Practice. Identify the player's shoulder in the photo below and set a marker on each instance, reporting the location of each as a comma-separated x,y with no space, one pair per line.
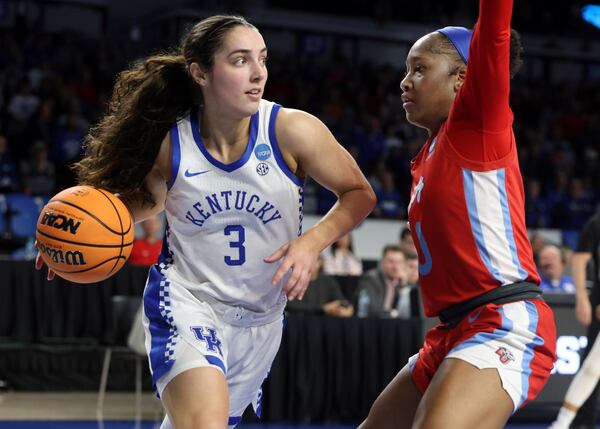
298,127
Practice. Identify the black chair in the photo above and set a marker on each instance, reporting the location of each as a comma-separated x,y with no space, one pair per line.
124,311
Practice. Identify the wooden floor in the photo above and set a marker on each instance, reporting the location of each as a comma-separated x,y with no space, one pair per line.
76,406
77,410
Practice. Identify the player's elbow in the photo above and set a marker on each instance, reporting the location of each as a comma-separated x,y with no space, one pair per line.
370,199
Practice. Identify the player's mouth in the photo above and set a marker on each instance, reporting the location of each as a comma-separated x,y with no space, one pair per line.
254,93
407,102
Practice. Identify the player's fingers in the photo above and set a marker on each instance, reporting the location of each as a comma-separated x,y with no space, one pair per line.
50,274
278,254
39,262
285,266
297,285
303,285
291,283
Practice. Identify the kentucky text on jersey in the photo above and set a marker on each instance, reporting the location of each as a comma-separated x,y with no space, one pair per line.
232,200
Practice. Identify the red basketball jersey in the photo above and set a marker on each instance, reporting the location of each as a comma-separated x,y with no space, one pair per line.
466,211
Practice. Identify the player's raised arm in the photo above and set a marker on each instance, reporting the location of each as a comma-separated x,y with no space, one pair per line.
481,114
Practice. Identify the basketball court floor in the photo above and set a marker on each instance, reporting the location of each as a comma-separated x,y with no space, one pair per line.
77,410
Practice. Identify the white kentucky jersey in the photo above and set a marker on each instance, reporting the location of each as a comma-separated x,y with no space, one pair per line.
225,219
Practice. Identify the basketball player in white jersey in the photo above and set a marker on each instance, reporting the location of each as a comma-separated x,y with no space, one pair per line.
190,134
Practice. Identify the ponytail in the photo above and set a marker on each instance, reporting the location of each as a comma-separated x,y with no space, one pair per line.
147,100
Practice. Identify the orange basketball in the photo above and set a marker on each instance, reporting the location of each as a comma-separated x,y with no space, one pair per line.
85,234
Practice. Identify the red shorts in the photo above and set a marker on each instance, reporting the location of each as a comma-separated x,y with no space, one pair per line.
517,338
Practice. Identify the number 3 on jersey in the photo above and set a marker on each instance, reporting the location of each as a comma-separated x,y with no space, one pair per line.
238,244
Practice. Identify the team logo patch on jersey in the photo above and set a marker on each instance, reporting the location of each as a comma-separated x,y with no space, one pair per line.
262,169
262,152
506,355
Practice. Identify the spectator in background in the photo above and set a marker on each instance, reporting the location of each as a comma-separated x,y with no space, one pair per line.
323,296
342,261
389,201
146,249
23,104
576,207
38,176
42,125
8,168
551,265
537,213
384,292
406,241
537,242
69,138
412,268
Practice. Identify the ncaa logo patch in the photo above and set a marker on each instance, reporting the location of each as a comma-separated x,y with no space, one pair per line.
262,152
262,169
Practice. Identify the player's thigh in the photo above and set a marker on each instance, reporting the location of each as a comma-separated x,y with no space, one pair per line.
395,407
197,398
462,396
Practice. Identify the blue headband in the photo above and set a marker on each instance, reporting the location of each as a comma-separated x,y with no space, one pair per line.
460,38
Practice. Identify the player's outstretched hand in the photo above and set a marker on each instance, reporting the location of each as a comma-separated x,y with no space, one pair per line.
298,257
39,263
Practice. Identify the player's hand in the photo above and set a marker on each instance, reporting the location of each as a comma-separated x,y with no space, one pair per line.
39,263
338,309
583,310
300,257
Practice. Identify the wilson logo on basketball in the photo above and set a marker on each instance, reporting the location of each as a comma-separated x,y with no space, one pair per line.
60,222
58,256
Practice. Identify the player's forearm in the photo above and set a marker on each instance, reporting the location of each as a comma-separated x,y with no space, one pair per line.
578,270
351,208
495,15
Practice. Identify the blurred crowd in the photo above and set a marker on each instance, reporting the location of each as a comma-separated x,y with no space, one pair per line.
54,86
561,19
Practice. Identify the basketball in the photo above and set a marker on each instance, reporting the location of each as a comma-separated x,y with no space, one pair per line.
85,234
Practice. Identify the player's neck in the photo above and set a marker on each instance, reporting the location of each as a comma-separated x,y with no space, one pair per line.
220,131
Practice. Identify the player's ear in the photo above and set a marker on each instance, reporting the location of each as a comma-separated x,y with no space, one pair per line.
461,74
199,75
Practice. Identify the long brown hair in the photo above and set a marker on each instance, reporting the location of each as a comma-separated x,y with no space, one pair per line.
147,99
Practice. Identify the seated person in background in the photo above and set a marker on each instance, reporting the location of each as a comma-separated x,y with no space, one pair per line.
323,296
147,248
38,173
537,242
412,269
384,291
342,261
551,267
406,241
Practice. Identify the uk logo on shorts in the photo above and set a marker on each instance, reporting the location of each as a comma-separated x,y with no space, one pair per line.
262,152
209,336
506,355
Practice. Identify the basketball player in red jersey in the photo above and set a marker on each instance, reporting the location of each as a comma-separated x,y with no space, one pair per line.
495,346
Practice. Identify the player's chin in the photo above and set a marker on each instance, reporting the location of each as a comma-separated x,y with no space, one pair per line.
249,106
413,118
